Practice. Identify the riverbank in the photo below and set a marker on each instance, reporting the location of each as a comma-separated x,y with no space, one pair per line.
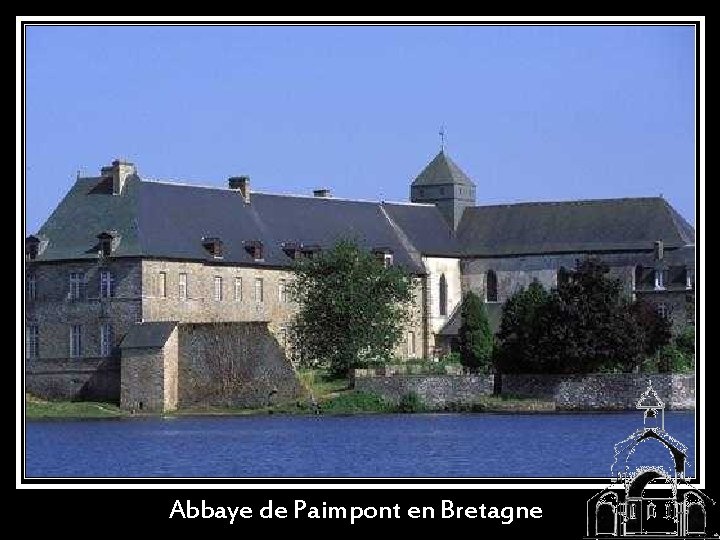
334,402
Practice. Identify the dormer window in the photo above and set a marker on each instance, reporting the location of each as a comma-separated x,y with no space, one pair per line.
384,255
32,247
213,246
255,249
291,249
105,240
309,251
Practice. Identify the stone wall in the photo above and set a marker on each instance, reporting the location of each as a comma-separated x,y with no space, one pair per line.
91,379
434,390
606,391
227,364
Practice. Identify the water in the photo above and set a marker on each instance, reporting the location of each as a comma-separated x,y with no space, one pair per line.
423,445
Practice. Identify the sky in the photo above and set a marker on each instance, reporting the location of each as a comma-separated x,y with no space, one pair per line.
530,113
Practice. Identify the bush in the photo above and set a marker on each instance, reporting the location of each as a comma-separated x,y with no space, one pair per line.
411,403
685,341
355,402
475,337
672,359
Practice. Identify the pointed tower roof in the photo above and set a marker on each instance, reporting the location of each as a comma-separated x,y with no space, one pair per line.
442,170
650,399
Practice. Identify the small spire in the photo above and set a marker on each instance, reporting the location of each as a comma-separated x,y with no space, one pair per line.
442,138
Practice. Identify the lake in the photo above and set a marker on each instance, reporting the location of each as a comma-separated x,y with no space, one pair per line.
420,445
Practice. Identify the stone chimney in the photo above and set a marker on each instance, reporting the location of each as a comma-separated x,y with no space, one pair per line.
658,250
119,171
322,193
241,184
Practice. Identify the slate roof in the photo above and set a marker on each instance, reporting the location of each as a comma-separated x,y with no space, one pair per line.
572,226
442,170
165,220
147,335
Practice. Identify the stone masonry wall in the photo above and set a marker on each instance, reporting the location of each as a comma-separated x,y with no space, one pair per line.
142,381
602,391
91,379
434,390
569,392
239,365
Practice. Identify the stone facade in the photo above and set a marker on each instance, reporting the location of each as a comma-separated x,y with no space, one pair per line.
603,391
207,364
91,379
439,268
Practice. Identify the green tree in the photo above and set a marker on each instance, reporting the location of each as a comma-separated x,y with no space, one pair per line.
475,336
520,333
352,309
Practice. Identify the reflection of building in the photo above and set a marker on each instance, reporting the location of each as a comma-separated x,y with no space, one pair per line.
648,500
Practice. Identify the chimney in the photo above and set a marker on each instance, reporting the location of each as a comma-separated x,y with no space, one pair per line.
322,193
658,250
241,184
119,171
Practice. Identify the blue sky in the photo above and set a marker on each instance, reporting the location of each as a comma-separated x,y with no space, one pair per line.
531,113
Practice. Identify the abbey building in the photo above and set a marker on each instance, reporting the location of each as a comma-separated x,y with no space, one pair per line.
127,275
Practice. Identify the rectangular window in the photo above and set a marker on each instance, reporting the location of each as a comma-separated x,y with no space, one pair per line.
218,289
411,344
662,309
77,286
282,291
76,341
107,284
282,336
31,286
182,287
162,285
259,290
106,339
32,345
238,289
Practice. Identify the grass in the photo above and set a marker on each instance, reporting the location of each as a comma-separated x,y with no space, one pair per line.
36,408
502,404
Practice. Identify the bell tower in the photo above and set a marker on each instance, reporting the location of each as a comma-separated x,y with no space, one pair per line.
444,184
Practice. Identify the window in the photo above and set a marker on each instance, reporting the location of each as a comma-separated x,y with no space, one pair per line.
31,286
662,309
282,291
105,246
238,289
162,285
644,277
259,290
563,276
182,287
282,336
106,339
32,344
411,344
77,286
443,295
387,260
107,284
218,289
659,279
75,341
491,286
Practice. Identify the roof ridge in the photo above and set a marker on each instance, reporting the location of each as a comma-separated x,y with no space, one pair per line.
676,218
569,201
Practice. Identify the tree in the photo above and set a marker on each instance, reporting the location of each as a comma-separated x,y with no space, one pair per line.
352,308
519,336
475,337
585,325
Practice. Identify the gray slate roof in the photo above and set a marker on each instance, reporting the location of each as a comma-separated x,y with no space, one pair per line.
147,335
572,226
155,219
442,170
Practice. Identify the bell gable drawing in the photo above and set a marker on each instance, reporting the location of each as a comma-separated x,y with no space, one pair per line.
645,500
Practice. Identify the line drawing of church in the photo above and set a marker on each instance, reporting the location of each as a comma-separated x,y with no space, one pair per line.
645,501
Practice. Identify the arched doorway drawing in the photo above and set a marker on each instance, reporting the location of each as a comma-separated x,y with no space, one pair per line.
695,517
606,519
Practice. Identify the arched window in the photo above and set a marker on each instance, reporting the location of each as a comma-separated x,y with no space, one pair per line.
562,276
491,287
443,295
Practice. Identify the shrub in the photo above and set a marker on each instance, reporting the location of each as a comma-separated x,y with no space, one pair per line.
685,340
672,359
355,402
476,339
411,403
